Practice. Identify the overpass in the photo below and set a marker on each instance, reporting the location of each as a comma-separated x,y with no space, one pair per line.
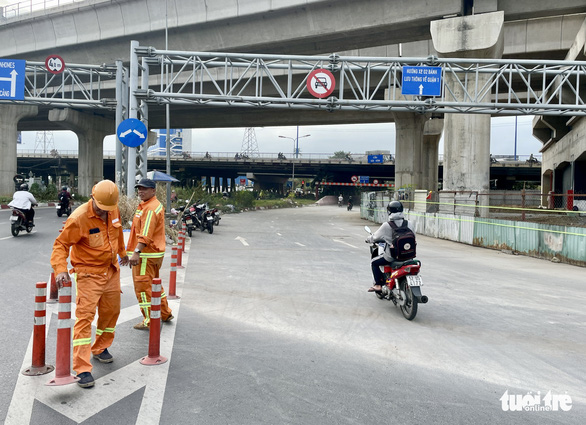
490,29
267,170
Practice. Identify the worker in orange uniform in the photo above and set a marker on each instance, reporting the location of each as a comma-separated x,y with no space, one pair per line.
146,244
94,234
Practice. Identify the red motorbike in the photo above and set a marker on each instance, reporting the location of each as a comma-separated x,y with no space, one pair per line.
402,282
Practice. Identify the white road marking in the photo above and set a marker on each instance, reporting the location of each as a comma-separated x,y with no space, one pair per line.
7,237
242,240
78,404
345,243
279,234
300,244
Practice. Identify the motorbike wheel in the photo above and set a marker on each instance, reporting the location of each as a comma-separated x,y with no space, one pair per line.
409,309
189,231
211,227
15,230
29,229
217,221
59,213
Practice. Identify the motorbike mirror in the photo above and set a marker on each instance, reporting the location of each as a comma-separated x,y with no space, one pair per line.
367,229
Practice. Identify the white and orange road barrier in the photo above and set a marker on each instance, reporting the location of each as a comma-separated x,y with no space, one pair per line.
54,291
173,277
184,230
38,366
180,251
63,374
154,358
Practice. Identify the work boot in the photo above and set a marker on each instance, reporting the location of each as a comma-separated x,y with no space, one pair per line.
141,326
104,357
168,319
86,380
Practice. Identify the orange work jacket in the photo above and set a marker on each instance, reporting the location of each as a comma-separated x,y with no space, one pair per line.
94,244
148,227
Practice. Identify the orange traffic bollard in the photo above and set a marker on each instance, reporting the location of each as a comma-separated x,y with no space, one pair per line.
154,357
54,291
39,367
184,231
63,374
173,277
180,252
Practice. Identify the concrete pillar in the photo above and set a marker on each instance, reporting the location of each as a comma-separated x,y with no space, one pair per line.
467,136
209,184
91,131
10,115
409,128
432,134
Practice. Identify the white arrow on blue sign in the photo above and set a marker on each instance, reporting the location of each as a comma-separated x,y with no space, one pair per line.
12,79
422,81
132,132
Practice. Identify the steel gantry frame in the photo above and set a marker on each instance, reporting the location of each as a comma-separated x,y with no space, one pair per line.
480,86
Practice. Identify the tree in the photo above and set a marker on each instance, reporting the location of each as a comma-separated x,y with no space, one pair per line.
340,155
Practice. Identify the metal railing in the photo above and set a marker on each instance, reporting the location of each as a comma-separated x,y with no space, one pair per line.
24,8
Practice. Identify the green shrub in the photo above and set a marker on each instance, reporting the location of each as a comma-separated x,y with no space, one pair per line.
243,199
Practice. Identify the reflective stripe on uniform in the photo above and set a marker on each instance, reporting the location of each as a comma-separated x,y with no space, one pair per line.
147,223
82,341
145,306
107,330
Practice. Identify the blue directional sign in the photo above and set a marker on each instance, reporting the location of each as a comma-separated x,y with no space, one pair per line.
363,179
132,132
422,81
375,159
12,79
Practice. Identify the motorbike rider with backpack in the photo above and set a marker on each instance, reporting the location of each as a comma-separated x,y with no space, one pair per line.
397,235
64,197
24,201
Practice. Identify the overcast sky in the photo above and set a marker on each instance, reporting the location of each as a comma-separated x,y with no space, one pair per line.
354,138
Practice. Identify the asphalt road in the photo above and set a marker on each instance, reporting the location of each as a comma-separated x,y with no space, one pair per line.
274,326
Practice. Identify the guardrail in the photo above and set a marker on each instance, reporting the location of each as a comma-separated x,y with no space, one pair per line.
16,10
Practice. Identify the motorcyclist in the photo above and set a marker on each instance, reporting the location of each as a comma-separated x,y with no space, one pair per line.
340,200
385,234
64,198
350,202
24,201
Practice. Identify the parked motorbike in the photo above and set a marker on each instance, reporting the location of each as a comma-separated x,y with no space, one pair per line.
402,282
18,222
216,216
63,209
205,218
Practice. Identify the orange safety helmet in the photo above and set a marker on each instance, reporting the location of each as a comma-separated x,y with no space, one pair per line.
105,194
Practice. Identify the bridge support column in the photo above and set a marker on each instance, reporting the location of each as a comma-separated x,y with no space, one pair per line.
9,117
409,149
91,131
209,184
467,136
432,134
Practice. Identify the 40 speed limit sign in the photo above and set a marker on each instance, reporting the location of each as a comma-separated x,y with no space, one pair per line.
321,83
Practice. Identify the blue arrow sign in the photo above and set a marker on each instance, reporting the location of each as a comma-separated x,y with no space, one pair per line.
422,81
132,132
12,79
375,159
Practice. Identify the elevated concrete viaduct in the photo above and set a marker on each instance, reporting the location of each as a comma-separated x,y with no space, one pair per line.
100,31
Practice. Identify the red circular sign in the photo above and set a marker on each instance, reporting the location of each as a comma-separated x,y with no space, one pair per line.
354,179
321,83
55,64
375,181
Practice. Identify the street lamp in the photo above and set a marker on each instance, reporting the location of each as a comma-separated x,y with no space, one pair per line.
295,152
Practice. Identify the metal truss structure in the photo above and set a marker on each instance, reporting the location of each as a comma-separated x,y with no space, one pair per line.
480,86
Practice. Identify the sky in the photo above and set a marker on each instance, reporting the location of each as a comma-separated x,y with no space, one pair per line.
353,138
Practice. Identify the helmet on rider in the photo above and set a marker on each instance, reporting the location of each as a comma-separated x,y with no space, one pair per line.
394,207
105,195
24,186
64,188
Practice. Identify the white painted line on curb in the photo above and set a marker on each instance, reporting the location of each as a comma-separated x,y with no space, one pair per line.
300,244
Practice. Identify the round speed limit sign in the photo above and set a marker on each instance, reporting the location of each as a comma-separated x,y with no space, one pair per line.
321,83
55,64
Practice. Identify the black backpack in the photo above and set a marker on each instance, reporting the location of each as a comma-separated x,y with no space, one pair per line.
403,242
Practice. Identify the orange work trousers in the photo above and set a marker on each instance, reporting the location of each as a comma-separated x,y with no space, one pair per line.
101,292
143,275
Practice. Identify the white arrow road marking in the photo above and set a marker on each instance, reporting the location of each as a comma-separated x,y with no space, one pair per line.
300,244
345,243
125,133
78,404
242,240
135,131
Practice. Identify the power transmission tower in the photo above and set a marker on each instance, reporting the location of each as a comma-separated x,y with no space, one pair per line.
44,141
249,144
